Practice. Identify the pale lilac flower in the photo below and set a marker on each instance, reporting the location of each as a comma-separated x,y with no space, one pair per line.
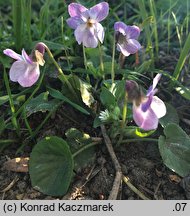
25,70
88,30
147,109
127,38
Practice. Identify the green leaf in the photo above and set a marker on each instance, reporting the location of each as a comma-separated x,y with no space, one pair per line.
97,122
183,91
119,90
51,166
41,104
107,98
136,132
77,140
2,124
144,67
170,117
58,95
175,149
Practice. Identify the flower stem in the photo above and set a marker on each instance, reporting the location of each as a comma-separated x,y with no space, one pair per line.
85,148
13,118
121,60
26,122
134,189
136,58
8,141
85,62
84,56
66,53
62,76
124,116
139,139
113,60
101,59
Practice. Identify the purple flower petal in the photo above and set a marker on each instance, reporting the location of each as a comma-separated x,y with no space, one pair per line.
41,47
132,32
79,33
86,36
132,46
30,75
17,70
99,12
90,40
99,31
145,106
26,57
12,54
155,82
120,27
158,107
122,48
146,120
74,22
76,9
128,47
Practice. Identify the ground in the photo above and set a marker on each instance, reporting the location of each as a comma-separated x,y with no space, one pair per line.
141,162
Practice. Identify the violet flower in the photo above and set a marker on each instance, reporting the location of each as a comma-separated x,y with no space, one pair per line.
147,109
127,38
88,30
25,70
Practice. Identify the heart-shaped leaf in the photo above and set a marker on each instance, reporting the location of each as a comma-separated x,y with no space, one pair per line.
51,166
175,149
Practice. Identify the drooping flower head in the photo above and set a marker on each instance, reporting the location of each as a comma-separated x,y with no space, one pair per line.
147,109
25,70
127,38
88,30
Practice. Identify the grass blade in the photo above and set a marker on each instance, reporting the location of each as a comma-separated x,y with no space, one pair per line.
17,23
182,58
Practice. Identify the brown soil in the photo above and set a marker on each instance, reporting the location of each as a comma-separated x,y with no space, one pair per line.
141,162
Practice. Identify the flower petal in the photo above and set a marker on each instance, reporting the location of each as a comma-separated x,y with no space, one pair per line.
74,22
146,120
79,33
17,70
122,48
90,39
12,54
120,27
155,82
41,47
99,12
76,9
132,46
145,105
86,36
134,93
26,57
99,31
30,76
158,107
132,32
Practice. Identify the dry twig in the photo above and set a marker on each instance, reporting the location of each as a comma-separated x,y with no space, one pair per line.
118,176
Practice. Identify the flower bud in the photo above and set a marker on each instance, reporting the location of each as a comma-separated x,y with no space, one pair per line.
134,92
